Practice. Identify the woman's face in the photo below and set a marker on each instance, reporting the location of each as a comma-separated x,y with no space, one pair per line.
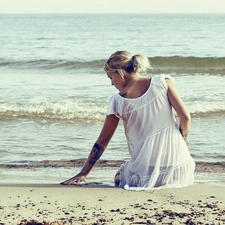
117,80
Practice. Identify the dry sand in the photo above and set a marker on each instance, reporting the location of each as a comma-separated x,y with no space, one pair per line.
98,204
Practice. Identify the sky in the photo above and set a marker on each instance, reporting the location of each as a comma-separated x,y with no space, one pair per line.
112,6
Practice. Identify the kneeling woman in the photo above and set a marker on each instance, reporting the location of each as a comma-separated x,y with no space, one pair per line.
156,142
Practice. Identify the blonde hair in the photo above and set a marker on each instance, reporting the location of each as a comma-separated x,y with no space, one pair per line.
123,62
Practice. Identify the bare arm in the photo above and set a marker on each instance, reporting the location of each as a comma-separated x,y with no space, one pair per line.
110,125
180,108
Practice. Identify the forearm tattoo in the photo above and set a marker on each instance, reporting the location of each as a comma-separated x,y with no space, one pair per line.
96,151
183,134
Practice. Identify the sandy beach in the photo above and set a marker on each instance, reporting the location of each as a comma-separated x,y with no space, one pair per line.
98,204
54,97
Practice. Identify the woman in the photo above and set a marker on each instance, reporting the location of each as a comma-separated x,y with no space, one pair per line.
156,143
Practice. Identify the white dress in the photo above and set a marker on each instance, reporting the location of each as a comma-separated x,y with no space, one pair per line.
159,154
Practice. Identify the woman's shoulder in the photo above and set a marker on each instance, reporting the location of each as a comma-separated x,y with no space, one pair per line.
145,81
140,87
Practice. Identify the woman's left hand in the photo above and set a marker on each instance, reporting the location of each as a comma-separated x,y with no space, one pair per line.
74,180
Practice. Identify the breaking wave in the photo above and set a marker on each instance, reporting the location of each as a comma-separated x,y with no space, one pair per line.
82,111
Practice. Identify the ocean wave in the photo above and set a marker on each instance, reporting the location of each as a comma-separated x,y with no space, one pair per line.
210,167
58,111
170,64
216,167
76,111
44,64
189,65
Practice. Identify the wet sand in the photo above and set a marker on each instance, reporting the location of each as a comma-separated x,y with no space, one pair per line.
98,204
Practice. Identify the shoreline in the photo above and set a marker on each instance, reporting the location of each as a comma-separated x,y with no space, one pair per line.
100,175
102,204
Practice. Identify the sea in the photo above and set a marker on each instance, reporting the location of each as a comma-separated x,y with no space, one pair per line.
54,91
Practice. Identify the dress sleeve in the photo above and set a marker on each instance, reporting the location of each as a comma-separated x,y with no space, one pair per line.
113,107
163,80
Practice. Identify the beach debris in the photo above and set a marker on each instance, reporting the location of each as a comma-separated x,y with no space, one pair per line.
212,206
35,222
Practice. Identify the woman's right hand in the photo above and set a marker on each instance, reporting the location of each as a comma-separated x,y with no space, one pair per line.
98,148
74,180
